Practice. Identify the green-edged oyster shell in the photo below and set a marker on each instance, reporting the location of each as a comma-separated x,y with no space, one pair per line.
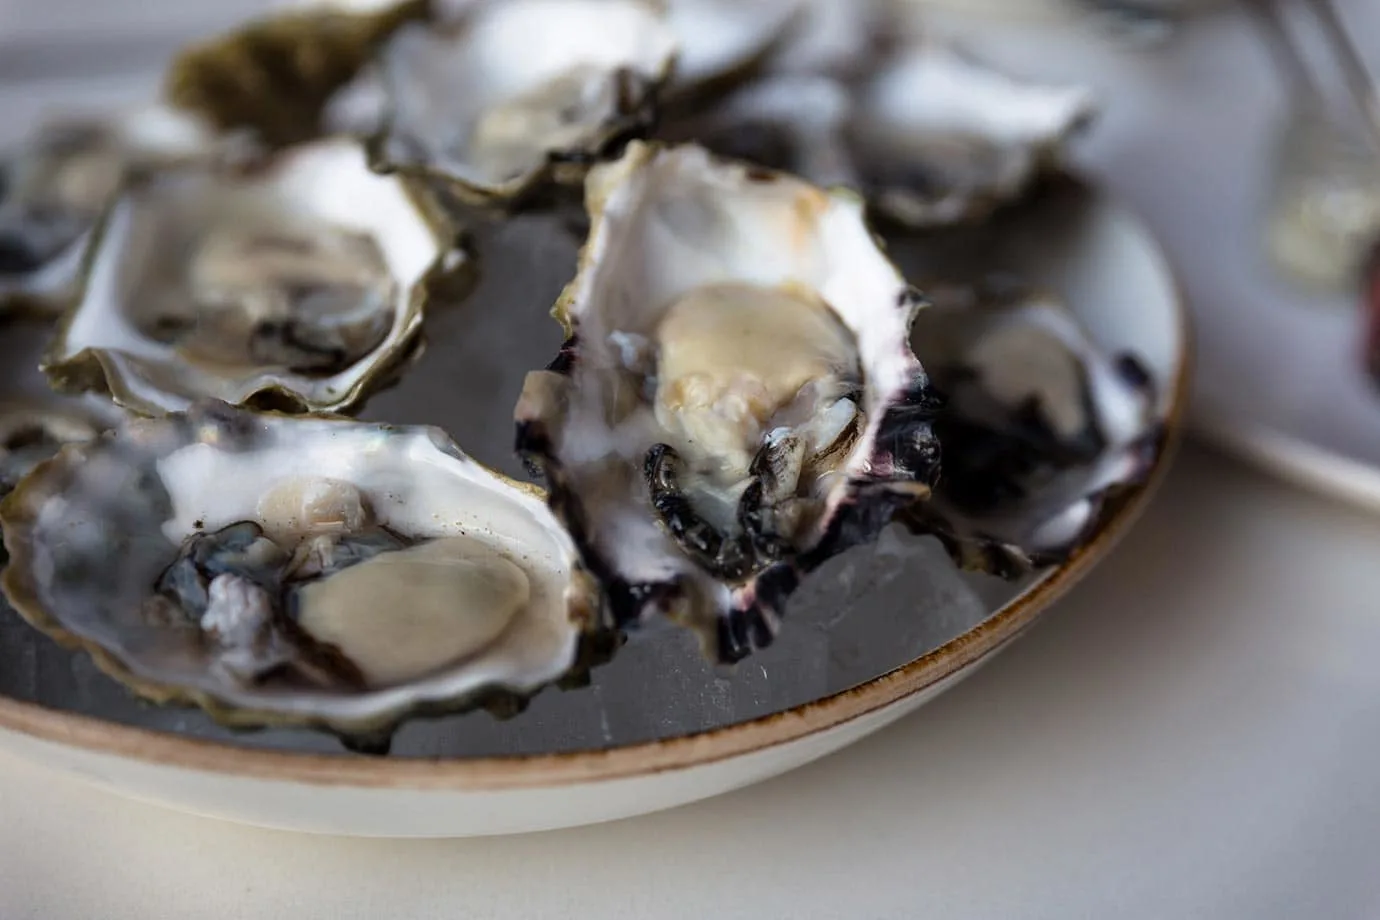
277,75
298,282
296,571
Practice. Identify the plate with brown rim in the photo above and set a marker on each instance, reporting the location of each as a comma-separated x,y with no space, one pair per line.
870,637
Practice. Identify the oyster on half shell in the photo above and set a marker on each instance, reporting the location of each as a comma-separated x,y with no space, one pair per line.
55,184
932,138
291,571
939,138
298,282
512,92
736,401
1042,428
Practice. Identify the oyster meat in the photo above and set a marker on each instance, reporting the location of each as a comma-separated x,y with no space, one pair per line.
298,283
512,93
736,401
55,184
1042,429
280,570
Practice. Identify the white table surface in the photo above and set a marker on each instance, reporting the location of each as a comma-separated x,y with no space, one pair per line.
1194,732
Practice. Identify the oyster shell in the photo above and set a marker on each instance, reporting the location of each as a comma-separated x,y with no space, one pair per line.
278,76
55,184
736,401
720,41
831,37
33,430
795,124
299,283
932,137
1042,430
291,571
514,92
940,138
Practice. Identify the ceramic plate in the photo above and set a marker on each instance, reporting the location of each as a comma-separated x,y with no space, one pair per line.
1189,138
873,635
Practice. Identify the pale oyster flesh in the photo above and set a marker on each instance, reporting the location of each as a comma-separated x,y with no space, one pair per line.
299,592
737,401
490,101
1042,431
282,570
266,290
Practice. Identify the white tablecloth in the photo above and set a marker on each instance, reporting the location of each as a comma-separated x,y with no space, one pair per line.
1193,733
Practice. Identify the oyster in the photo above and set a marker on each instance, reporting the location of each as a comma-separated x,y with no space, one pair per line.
281,570
279,76
736,401
514,92
939,138
932,137
55,185
299,283
1042,430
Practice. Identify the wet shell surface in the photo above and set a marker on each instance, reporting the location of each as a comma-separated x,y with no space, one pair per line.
33,429
940,138
795,124
511,93
1042,429
931,137
55,184
718,40
298,283
736,401
281,570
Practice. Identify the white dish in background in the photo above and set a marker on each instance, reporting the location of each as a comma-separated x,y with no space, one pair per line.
1187,137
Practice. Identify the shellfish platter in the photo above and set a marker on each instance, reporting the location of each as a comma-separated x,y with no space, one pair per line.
697,358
